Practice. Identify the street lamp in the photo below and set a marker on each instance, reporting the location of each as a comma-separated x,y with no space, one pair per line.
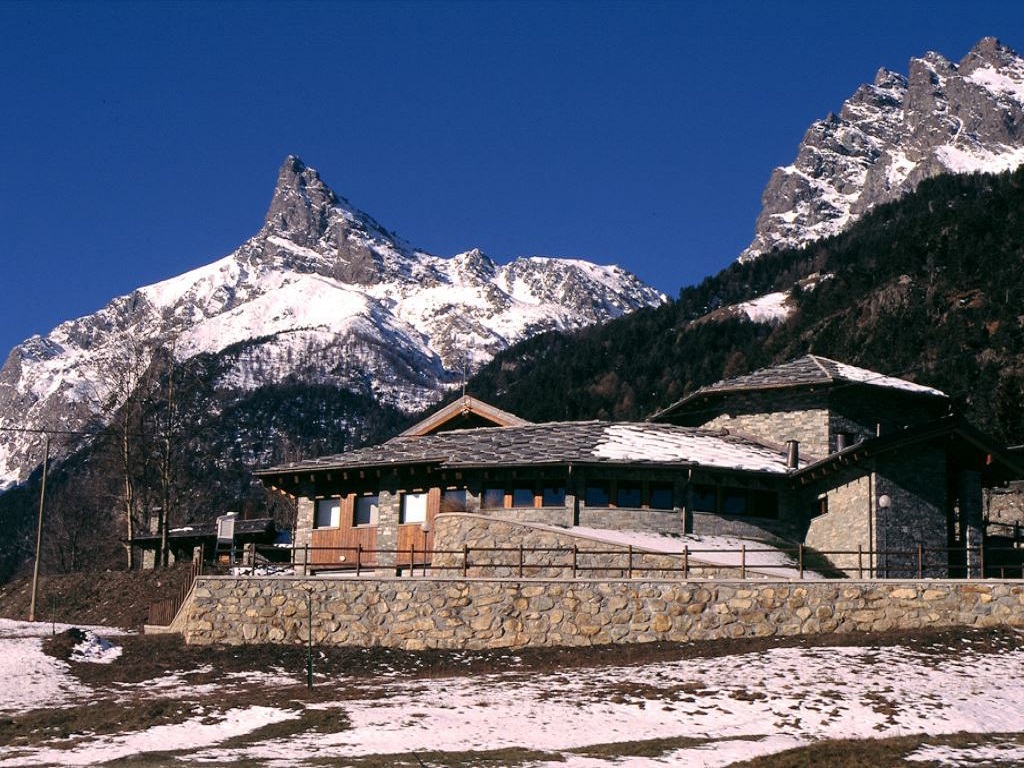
884,503
425,527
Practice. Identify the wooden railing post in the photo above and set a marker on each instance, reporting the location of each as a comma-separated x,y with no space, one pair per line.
520,560
465,559
412,559
860,561
359,558
920,560
629,570
743,561
575,554
686,561
800,555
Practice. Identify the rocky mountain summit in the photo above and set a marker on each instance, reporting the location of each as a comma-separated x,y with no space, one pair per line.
890,135
321,294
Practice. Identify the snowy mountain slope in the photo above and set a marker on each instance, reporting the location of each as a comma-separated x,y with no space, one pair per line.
892,134
322,293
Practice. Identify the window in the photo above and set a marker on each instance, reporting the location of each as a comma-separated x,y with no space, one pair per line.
734,502
553,497
705,498
597,495
627,495
414,508
522,497
453,500
328,513
365,512
660,496
493,498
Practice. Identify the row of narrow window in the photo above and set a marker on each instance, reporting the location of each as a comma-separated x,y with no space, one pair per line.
706,498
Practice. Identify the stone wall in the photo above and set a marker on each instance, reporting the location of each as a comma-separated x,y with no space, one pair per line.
778,416
486,613
847,525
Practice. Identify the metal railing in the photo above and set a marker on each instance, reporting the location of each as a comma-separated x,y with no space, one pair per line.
627,562
162,612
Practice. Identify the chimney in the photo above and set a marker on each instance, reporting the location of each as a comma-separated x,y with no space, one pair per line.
792,454
842,440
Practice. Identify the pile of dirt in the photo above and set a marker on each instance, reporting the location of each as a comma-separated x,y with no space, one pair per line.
110,598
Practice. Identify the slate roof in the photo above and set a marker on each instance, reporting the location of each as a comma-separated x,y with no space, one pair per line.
806,371
554,443
256,527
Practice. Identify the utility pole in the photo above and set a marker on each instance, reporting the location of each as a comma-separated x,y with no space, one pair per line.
39,533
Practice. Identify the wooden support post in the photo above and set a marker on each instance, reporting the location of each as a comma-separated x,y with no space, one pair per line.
800,557
743,561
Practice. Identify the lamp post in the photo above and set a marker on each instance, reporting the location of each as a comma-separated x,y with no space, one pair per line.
884,503
425,527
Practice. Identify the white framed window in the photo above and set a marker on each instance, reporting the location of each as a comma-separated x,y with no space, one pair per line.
414,508
328,513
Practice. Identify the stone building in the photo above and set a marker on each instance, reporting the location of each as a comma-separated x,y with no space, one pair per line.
872,470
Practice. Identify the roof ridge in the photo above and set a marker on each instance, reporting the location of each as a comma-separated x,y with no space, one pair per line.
816,359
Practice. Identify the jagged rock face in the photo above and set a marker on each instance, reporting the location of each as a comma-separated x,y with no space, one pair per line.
321,294
892,134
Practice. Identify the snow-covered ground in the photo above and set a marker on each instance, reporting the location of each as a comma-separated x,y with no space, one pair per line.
731,708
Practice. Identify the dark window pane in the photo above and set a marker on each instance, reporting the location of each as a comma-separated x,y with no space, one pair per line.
661,496
366,510
628,496
522,497
734,502
493,498
705,498
454,500
597,495
328,513
553,497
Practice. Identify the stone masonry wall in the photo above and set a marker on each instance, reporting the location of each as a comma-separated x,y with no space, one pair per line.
845,527
778,417
485,613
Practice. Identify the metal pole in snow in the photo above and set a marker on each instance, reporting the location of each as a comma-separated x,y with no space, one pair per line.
39,534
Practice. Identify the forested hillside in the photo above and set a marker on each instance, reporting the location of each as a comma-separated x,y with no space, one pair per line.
930,288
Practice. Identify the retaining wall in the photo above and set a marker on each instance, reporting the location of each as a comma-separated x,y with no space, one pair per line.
488,613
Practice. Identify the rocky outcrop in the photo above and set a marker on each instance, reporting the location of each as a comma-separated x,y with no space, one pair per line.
889,136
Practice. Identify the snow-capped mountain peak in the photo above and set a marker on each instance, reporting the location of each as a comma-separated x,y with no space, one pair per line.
321,294
890,135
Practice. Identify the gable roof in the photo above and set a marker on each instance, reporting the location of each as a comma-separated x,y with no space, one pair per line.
465,408
559,443
806,371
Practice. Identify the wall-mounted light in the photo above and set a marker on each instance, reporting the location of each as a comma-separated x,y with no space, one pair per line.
884,501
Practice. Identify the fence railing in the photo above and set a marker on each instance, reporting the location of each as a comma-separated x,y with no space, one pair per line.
162,612
628,562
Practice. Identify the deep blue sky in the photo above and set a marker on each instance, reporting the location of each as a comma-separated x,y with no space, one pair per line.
141,140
